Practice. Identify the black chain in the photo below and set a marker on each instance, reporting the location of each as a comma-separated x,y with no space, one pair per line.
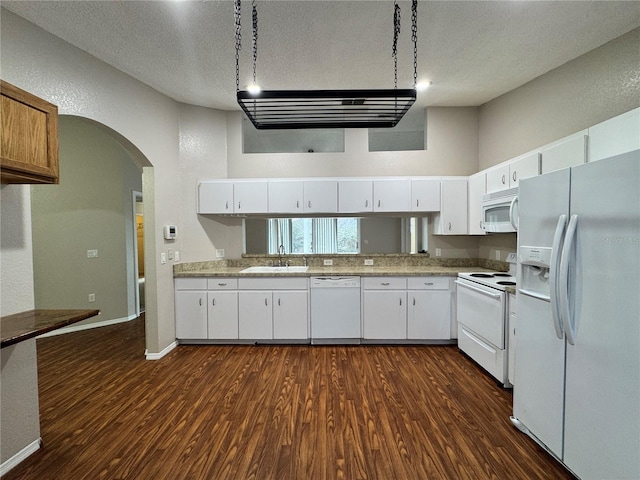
394,49
236,16
414,37
255,39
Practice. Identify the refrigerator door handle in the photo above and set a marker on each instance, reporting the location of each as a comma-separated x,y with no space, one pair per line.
567,250
554,273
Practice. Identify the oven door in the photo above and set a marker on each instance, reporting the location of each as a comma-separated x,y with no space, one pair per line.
482,310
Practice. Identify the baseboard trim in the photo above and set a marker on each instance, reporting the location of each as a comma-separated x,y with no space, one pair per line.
20,456
158,356
77,328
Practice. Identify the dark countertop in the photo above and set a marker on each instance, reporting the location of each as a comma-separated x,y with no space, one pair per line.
25,325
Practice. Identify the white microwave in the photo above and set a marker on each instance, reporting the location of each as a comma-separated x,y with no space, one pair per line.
500,211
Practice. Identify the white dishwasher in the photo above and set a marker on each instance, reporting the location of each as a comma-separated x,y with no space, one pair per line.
335,310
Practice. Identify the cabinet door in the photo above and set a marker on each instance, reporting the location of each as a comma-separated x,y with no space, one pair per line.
452,219
28,137
385,314
617,135
425,195
498,178
355,196
429,315
215,197
285,196
191,315
320,196
524,167
290,317
392,195
568,152
476,190
255,316
222,317
250,197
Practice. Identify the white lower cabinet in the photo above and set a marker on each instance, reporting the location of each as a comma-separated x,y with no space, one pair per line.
428,308
273,308
222,315
385,314
191,308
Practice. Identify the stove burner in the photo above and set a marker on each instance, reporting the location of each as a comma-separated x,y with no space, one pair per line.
501,275
481,275
506,283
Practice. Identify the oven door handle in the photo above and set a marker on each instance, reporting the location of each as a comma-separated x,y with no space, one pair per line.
480,290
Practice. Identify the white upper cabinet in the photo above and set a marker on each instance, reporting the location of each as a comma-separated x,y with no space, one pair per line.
476,190
498,178
452,218
355,196
617,135
568,152
285,196
425,195
215,197
523,167
250,197
320,196
392,195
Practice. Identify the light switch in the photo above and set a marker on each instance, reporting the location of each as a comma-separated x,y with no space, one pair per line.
177,256
170,253
163,258
92,253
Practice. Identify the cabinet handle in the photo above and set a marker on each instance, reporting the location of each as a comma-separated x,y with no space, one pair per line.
200,301
379,203
366,203
514,176
417,202
226,205
213,302
297,203
265,303
449,226
222,284
309,204
238,205
278,302
504,180
385,284
414,302
428,283
400,302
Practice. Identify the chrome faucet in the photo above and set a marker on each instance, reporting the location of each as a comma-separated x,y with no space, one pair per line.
280,253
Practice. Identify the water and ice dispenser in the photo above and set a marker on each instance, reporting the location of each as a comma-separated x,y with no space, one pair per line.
535,264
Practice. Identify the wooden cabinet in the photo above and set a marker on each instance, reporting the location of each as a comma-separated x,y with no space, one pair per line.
355,196
29,137
617,135
428,308
425,195
452,218
568,152
476,190
392,195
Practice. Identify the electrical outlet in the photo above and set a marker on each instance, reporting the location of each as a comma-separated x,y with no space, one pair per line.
163,258
92,253
497,254
219,252
328,262
92,297
368,261
438,252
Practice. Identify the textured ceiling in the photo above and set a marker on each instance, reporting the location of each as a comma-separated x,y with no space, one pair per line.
472,51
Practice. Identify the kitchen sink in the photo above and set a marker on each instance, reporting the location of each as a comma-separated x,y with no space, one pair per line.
265,269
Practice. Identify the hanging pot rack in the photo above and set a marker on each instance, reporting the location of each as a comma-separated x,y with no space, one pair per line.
297,109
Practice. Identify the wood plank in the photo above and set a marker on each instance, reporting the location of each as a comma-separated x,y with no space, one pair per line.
272,412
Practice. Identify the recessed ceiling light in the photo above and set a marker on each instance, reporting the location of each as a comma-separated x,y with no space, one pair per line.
422,86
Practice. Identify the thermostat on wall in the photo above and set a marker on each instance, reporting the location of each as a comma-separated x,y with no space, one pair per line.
170,232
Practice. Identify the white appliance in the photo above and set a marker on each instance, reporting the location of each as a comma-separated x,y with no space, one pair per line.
500,211
481,304
335,310
578,357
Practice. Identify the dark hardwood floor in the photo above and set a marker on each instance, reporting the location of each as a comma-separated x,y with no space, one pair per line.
271,412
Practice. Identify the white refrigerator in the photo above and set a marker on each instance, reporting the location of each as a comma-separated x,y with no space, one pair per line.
577,364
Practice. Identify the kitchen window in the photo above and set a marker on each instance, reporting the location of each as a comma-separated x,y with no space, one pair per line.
314,235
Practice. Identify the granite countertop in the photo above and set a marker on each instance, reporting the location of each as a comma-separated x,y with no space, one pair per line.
25,325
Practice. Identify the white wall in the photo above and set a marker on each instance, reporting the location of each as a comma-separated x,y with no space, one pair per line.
81,85
592,88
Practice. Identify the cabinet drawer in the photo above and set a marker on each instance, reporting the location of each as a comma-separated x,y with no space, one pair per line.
384,283
428,283
222,283
191,283
296,283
